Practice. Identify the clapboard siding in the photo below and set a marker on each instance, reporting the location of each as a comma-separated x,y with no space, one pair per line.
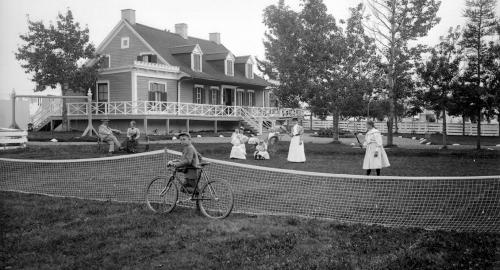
119,86
187,92
143,88
124,57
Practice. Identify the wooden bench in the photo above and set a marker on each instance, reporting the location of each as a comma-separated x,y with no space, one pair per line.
13,138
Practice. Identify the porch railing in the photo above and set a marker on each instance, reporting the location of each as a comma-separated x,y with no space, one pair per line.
174,108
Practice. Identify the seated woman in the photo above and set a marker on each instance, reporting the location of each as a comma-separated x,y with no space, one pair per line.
238,141
133,135
261,151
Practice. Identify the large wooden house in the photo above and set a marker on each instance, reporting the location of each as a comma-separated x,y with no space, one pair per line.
170,82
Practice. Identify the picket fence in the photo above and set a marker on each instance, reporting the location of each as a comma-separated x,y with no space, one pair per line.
409,127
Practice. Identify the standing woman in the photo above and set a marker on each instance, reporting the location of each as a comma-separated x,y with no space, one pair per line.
133,135
375,156
296,150
238,140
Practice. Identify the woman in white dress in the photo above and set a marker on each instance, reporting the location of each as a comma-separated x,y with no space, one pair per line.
375,156
261,151
296,150
238,141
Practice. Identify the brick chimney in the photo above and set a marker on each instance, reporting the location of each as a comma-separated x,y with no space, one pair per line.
182,30
129,15
214,37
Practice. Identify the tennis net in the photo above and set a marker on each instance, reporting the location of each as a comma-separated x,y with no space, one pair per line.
447,203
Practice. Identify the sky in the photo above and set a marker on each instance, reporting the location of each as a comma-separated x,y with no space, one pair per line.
238,21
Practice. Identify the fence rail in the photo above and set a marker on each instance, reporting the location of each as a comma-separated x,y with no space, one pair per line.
410,127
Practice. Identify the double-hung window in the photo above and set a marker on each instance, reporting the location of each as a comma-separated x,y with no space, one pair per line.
198,91
197,62
157,92
229,67
249,71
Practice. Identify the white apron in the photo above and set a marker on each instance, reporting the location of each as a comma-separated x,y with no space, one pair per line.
373,143
239,150
296,150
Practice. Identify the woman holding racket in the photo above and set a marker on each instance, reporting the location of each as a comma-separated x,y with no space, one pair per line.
375,156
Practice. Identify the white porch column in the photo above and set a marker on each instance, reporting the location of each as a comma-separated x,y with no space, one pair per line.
134,90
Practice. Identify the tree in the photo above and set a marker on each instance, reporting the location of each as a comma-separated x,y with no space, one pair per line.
54,55
347,63
481,23
439,74
394,24
283,56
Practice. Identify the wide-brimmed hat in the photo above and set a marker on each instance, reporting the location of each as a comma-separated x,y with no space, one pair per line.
185,134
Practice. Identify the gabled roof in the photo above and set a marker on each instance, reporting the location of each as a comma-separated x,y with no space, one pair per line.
216,56
168,44
242,59
183,49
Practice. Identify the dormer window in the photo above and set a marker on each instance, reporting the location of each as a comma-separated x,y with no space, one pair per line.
249,70
125,42
229,67
197,62
196,59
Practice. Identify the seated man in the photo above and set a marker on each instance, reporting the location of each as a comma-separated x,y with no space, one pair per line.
106,134
189,162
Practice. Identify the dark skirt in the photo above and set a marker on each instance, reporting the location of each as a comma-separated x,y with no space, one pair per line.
131,145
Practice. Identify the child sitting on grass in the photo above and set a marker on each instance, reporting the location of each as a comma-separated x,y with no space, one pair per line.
261,151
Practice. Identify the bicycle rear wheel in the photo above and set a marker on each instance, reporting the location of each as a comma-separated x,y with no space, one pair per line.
161,195
216,199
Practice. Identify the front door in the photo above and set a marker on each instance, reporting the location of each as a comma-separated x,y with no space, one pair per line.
228,97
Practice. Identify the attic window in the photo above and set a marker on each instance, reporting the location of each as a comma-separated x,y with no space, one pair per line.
148,58
229,67
105,61
125,42
249,70
196,62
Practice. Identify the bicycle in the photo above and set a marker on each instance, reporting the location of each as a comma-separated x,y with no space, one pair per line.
215,198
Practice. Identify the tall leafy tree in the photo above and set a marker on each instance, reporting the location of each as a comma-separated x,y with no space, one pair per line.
54,55
394,23
344,60
439,75
481,24
283,54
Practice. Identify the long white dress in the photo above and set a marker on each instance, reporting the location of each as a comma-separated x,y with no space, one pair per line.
296,150
239,150
373,144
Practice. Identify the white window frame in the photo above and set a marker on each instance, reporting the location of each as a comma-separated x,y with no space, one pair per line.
247,72
229,57
128,42
251,93
109,59
97,89
197,51
240,94
199,93
156,92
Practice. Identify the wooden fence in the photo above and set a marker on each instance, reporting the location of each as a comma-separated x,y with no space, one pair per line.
408,127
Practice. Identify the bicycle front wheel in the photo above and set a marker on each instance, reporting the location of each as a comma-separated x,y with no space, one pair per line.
216,199
161,195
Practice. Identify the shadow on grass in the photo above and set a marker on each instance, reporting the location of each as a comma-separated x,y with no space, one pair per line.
44,232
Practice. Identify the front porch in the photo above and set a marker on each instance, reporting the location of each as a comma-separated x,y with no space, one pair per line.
257,119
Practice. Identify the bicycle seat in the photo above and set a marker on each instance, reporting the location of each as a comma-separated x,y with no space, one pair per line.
204,163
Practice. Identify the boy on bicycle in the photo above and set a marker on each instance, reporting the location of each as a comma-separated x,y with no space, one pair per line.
189,163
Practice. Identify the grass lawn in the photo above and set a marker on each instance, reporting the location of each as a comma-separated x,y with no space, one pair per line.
331,158
40,232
